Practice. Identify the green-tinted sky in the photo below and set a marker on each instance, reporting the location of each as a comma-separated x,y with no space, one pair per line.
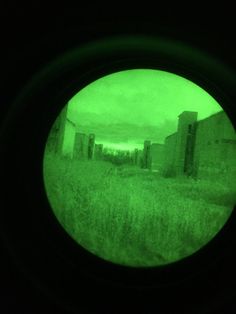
125,108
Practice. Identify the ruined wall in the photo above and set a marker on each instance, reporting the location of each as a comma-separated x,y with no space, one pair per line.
69,138
84,146
52,144
189,150
150,157
157,156
61,120
169,169
61,137
138,157
80,146
202,149
91,144
147,161
178,150
215,147
186,120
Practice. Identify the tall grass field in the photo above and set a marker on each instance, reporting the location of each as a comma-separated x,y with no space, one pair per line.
134,217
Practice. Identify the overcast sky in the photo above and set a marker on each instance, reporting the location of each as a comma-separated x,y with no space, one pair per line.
125,108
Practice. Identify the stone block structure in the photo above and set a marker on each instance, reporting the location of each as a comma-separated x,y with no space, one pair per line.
91,143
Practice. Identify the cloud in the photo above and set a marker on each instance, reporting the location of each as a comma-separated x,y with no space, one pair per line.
134,105
128,132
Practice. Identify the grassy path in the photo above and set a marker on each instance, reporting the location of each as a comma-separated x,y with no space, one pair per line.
134,217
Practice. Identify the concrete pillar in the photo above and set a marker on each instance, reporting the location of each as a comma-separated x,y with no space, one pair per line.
147,155
59,128
91,143
189,152
81,146
184,147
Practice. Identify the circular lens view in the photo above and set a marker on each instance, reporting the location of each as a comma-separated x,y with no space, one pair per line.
140,167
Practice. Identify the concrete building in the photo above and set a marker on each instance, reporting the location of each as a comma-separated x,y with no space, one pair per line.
157,156
215,147
65,140
202,149
61,137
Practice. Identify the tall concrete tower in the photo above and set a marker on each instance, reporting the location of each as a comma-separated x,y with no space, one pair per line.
184,140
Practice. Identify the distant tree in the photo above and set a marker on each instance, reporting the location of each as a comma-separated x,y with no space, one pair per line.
117,157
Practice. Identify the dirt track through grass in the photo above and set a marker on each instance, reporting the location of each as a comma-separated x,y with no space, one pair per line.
131,216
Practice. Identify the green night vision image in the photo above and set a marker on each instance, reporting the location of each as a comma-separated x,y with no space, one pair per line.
140,168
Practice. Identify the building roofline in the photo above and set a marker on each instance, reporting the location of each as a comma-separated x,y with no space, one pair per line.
186,111
172,134
157,144
214,114
71,122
